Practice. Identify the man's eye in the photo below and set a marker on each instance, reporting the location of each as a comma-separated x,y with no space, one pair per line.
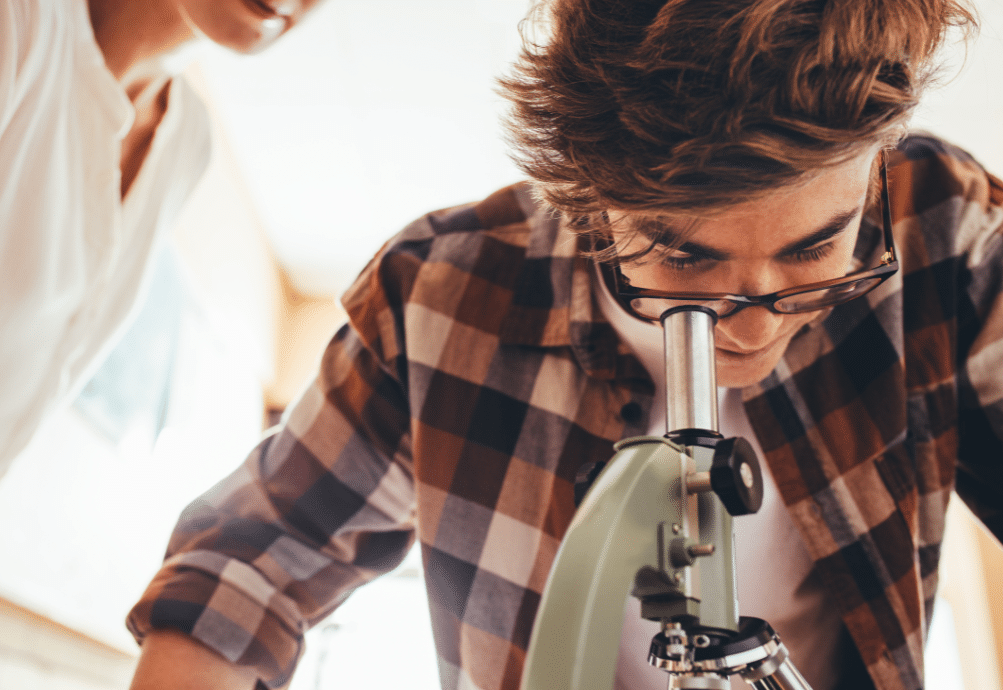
812,254
677,259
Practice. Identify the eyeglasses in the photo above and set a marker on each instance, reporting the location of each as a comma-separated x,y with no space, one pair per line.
649,305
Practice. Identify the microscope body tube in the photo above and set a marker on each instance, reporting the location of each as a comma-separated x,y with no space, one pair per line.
692,416
691,408
690,369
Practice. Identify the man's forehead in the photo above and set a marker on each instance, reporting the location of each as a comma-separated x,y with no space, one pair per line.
842,185
831,199
723,238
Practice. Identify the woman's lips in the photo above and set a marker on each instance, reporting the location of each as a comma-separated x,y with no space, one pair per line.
272,9
260,8
271,22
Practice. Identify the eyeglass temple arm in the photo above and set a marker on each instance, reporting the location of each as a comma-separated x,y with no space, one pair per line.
886,213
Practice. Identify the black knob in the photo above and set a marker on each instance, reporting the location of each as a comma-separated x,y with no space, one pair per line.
735,476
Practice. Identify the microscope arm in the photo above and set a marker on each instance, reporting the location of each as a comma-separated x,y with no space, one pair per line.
578,625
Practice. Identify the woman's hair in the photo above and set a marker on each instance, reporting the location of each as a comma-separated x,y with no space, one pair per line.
692,105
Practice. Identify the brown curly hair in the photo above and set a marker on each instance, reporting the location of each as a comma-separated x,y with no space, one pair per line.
692,105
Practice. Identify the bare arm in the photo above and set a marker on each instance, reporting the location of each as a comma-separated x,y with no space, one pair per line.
171,659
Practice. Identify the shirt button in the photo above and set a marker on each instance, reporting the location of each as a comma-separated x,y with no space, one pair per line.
631,412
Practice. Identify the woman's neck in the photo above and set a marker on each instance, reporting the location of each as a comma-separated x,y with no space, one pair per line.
132,34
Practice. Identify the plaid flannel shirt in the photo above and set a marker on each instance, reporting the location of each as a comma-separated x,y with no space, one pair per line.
477,378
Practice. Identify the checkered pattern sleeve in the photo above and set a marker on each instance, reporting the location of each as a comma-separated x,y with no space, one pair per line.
979,477
320,507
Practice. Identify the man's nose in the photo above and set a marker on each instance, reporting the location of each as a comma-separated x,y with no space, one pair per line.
750,329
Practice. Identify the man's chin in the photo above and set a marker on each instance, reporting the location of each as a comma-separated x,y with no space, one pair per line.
737,374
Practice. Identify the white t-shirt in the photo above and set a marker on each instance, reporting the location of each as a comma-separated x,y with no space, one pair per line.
73,255
789,598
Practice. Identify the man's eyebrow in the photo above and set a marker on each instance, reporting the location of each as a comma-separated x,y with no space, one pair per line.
835,226
662,232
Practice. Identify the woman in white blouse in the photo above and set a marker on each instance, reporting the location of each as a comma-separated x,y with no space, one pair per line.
99,147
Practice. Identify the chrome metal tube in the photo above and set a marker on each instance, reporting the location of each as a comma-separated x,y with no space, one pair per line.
690,369
786,677
691,404
776,672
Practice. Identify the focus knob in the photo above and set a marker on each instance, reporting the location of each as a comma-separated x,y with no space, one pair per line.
735,476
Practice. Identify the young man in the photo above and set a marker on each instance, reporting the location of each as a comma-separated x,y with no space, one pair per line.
706,146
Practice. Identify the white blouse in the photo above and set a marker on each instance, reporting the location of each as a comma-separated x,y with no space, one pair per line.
73,255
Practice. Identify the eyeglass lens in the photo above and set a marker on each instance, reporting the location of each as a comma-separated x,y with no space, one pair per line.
811,300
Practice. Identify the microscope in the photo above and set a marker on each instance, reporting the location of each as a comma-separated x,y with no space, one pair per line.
657,525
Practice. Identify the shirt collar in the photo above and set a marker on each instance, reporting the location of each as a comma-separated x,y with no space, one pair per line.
553,304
